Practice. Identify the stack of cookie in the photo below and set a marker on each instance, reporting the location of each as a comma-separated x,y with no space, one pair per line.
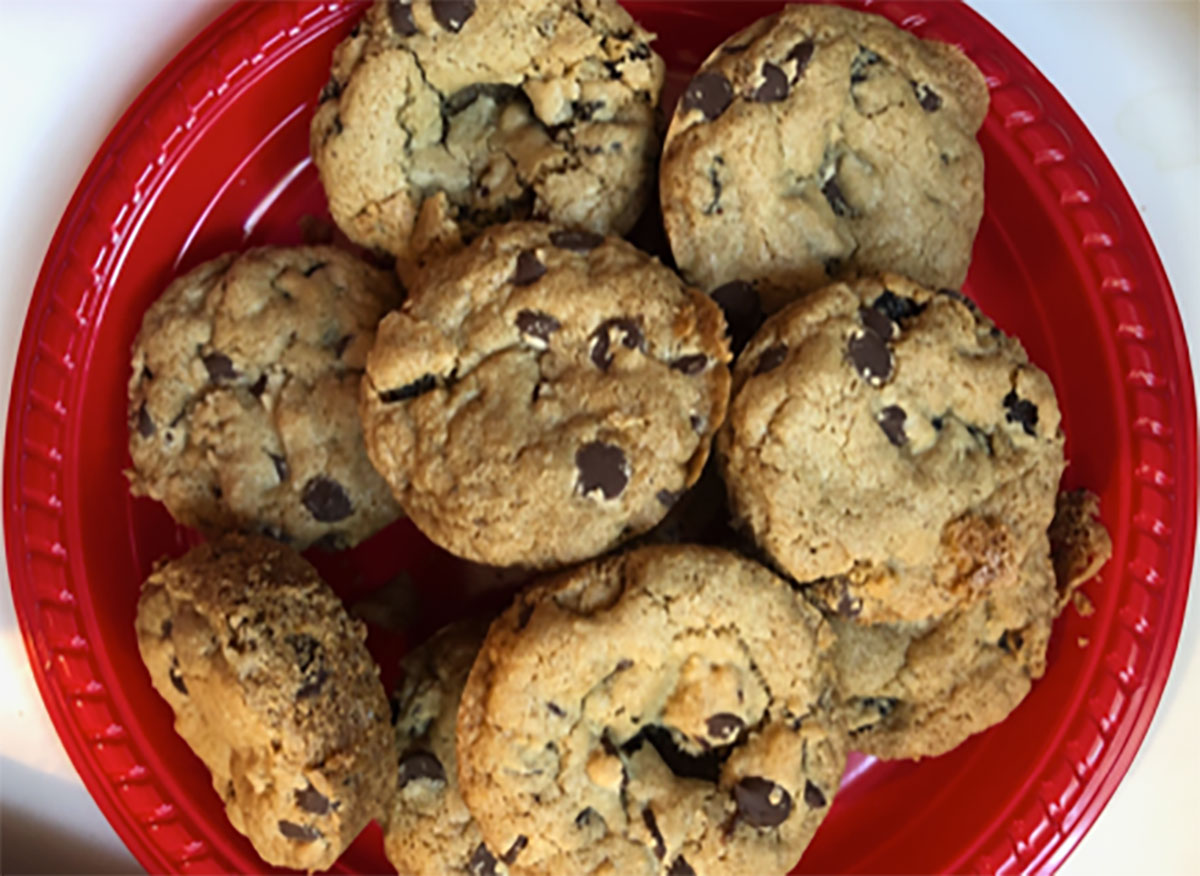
872,561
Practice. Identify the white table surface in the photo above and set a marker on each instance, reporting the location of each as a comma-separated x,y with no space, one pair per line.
1130,68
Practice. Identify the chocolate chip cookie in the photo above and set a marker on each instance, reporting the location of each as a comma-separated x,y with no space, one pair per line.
544,394
429,830
821,142
891,448
662,711
243,397
442,118
916,690
273,689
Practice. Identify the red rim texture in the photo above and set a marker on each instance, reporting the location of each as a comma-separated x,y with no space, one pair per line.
213,156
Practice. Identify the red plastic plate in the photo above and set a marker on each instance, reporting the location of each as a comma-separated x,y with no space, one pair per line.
213,156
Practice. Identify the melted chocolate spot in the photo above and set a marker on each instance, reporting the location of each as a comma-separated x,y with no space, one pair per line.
145,425
690,364
419,765
743,311
220,367
833,194
1021,410
556,709
680,867
891,421
537,324
602,467
724,726
878,322
771,358
586,817
858,67
631,337
515,849
529,269
326,500
710,93
300,832
761,802
870,356
312,800
660,846
706,766
1011,641
848,605
452,14
801,53
576,241
259,386
929,99
897,308
400,14
813,796
774,86
177,679
482,862
420,386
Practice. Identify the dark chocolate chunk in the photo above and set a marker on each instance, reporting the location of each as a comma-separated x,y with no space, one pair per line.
771,358
897,308
1011,641
858,67
761,802
586,816
1021,410
419,765
832,266
482,862
165,629
312,800
602,467
743,311
301,832
697,423
556,709
849,605
667,498
878,322
891,421
281,466
259,386
220,367
724,726
982,438
660,846
145,425
710,93
326,499
177,679
400,14
452,14
929,99
529,269
690,364
870,356
630,335
515,849
833,194
537,323
623,664
680,867
420,386
706,766
801,53
313,682
332,89
774,86
576,240
813,796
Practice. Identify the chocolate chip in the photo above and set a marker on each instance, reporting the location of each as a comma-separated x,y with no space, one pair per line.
774,86
631,337
982,438
576,240
1021,410
771,358
452,14
897,308
556,709
165,629
332,89
420,386
690,364
849,606
281,466
602,467
1011,641
313,682
929,99
697,423
419,765
482,862
891,421
667,498
833,194
761,802
145,425
312,800
832,265
326,499
515,849
303,833
529,269
680,867
537,323
801,53
813,796
724,726
870,356
220,367
743,311
400,13
177,679
858,67
586,817
878,322
660,847
623,664
710,93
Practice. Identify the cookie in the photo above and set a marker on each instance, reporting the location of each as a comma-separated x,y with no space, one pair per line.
442,118
666,710
429,830
822,142
543,395
244,392
889,446
273,689
919,690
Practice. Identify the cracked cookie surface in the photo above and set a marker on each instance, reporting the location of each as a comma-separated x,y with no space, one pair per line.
444,117
273,689
819,143
429,829
891,448
643,714
544,394
244,392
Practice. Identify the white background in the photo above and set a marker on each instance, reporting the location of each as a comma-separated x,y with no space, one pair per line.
68,69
